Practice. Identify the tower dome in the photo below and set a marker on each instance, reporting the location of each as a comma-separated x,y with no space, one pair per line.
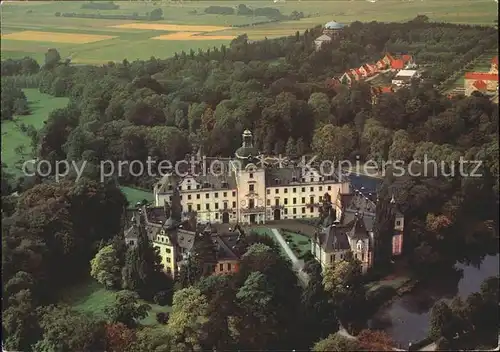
247,149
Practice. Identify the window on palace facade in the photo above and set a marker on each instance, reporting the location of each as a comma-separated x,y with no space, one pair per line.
168,259
229,266
303,200
320,188
295,210
225,205
216,205
221,267
207,195
329,188
251,188
294,190
224,194
268,202
216,216
190,207
286,211
207,206
294,201
234,193
180,197
234,204
189,197
277,191
251,175
198,207
312,189
286,201
198,196
398,223
168,250
303,210
303,189
216,195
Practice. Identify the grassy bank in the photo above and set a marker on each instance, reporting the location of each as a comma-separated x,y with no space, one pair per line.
90,297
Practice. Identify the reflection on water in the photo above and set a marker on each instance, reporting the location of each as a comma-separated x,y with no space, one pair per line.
407,318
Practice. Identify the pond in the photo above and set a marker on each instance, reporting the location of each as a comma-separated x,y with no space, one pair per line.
406,319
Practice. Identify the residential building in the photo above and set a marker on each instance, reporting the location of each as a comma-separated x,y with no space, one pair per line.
349,227
247,192
404,77
175,239
484,82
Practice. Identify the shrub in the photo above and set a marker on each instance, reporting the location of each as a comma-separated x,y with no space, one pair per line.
58,14
162,317
163,298
219,10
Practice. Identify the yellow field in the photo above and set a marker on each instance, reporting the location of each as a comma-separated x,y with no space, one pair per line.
192,36
54,37
170,27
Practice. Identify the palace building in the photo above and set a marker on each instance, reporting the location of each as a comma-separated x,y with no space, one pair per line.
246,190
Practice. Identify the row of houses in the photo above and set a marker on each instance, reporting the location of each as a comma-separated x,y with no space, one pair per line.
388,62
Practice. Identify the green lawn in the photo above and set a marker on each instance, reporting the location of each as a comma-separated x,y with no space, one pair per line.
300,244
136,44
91,297
135,195
267,232
12,137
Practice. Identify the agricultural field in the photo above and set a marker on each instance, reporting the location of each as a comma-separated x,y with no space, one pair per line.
30,28
16,145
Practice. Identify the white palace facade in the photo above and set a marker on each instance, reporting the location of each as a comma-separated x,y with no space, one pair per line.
245,191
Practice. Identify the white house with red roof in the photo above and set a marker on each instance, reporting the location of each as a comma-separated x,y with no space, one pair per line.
484,82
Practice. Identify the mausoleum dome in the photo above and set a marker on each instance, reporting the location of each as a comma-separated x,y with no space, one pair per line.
334,25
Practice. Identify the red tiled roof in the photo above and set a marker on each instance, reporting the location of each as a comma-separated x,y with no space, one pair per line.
406,58
495,60
484,76
481,85
358,72
397,64
389,56
386,89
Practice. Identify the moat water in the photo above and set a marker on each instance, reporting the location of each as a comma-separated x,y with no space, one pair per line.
406,318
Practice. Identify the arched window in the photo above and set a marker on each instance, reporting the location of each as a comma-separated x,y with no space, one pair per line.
359,246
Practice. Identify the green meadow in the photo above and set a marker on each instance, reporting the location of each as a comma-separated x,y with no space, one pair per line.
90,297
16,145
137,43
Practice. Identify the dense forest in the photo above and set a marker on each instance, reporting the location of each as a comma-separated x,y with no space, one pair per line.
279,89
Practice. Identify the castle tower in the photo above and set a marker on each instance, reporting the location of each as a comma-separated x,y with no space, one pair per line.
247,151
251,183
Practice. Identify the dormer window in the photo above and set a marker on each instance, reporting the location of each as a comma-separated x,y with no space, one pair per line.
206,185
170,187
277,181
225,184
